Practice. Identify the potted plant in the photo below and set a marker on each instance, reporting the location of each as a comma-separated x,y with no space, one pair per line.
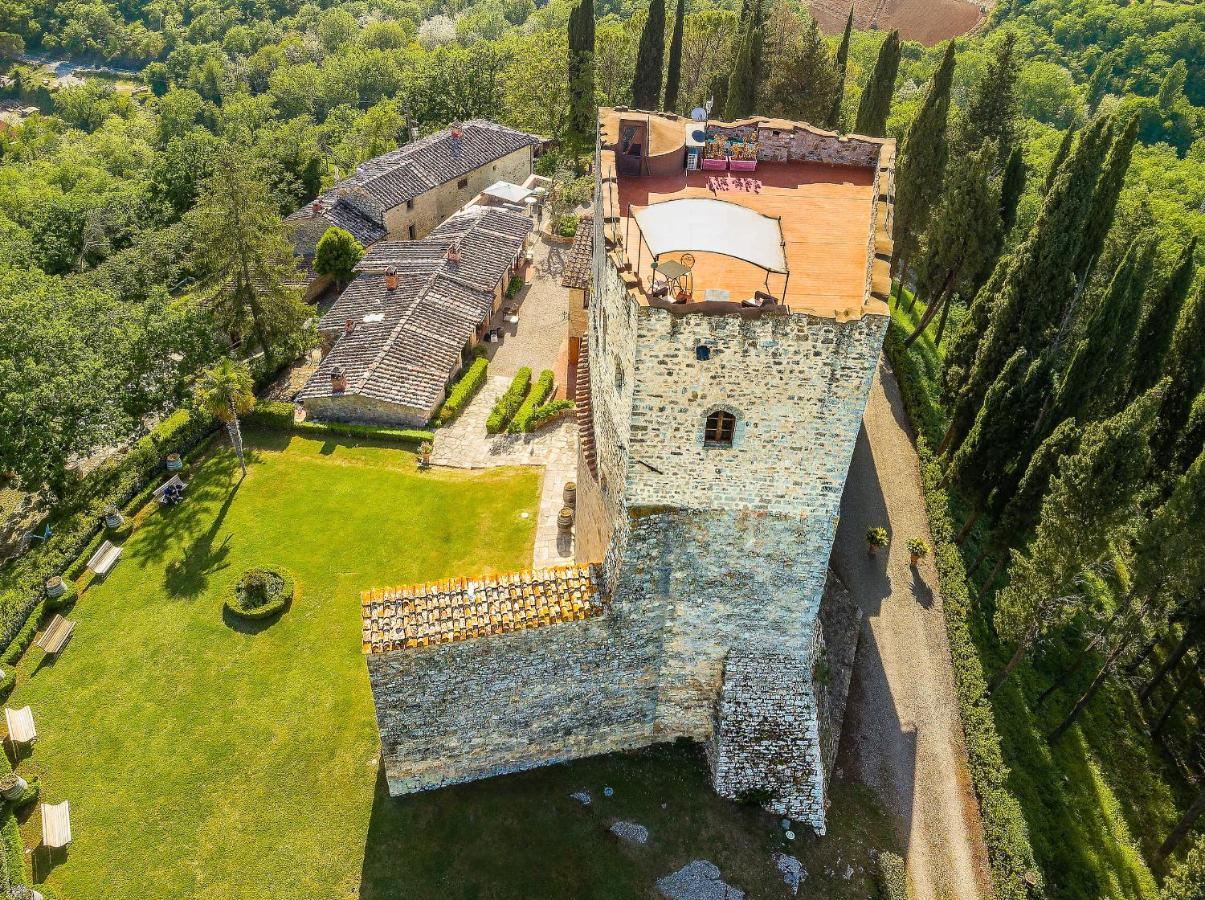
570,493
55,587
876,537
424,454
917,548
174,462
564,520
113,517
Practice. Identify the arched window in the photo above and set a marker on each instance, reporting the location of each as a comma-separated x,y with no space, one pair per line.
721,425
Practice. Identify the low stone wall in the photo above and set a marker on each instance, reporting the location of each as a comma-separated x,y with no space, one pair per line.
355,409
782,145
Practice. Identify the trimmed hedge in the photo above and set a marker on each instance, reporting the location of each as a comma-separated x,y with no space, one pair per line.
539,392
1010,852
276,598
550,412
465,388
273,415
508,404
12,853
892,876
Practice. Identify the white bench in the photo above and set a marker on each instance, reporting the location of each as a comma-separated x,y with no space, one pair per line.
174,482
21,729
56,825
55,635
104,558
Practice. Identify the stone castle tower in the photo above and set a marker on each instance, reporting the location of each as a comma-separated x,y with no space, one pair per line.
734,324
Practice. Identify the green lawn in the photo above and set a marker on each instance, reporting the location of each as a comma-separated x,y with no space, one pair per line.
208,760
1104,795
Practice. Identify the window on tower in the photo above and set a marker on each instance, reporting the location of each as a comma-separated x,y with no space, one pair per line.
721,425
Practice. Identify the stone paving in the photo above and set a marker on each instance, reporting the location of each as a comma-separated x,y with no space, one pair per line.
543,326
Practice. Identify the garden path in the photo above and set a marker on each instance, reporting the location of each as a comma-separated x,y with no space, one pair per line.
903,729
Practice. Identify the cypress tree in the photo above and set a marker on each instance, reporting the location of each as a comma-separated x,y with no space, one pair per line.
650,59
1172,87
921,168
875,104
583,114
1158,323
1028,293
799,82
1192,436
991,110
833,120
1098,85
673,72
1059,156
1185,368
1021,508
742,83
1012,186
1104,199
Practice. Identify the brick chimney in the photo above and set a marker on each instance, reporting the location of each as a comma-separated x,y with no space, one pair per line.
391,279
338,380
453,254
349,326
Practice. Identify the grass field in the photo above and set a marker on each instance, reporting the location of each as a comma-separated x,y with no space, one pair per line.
1103,797
207,759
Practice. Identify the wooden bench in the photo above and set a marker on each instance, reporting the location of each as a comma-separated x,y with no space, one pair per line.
174,482
103,559
21,729
56,825
55,635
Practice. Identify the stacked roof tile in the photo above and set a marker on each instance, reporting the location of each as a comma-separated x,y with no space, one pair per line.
457,609
402,345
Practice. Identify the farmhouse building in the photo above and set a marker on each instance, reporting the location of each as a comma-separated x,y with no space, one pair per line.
409,319
735,310
405,193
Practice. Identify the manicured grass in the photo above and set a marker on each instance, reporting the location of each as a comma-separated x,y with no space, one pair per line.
207,759
211,758
1104,795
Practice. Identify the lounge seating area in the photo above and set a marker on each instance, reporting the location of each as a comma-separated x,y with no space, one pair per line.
171,491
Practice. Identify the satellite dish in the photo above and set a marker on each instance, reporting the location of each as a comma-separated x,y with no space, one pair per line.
699,114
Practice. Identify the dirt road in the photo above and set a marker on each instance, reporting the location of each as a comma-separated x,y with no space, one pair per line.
902,732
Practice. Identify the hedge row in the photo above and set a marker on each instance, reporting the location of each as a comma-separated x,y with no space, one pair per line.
549,412
892,876
540,391
12,854
508,404
274,415
465,388
1010,852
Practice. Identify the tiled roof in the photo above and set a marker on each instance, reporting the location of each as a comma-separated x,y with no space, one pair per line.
457,609
404,344
576,273
403,174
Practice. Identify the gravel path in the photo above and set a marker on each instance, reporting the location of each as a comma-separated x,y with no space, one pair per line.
902,730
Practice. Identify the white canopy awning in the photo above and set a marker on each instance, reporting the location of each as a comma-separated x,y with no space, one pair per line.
504,190
703,225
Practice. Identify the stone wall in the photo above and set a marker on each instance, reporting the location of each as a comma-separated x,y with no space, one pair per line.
366,410
783,144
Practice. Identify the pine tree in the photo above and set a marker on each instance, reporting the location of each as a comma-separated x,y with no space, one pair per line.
1158,323
1012,186
841,64
991,110
1089,500
1185,368
1104,199
742,82
963,233
673,72
583,113
1027,296
921,168
875,104
650,59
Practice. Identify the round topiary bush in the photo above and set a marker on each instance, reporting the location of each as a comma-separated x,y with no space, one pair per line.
260,594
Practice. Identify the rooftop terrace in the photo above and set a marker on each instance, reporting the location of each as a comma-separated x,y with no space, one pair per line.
833,218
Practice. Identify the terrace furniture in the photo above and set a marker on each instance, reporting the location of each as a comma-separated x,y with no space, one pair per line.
56,825
717,295
104,558
20,725
55,635
171,491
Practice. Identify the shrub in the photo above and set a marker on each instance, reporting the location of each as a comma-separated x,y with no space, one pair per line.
276,416
566,225
549,412
877,537
260,594
516,285
465,388
917,547
891,876
538,394
1010,852
508,404
273,415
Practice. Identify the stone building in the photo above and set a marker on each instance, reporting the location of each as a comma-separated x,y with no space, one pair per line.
410,318
406,193
734,322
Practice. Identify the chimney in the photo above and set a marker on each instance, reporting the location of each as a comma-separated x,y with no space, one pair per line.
391,279
349,326
457,134
338,380
316,208
453,254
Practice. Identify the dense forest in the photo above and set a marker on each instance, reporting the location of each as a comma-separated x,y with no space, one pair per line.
1050,228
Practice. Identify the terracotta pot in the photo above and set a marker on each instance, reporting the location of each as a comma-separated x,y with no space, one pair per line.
564,521
872,549
570,493
915,559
